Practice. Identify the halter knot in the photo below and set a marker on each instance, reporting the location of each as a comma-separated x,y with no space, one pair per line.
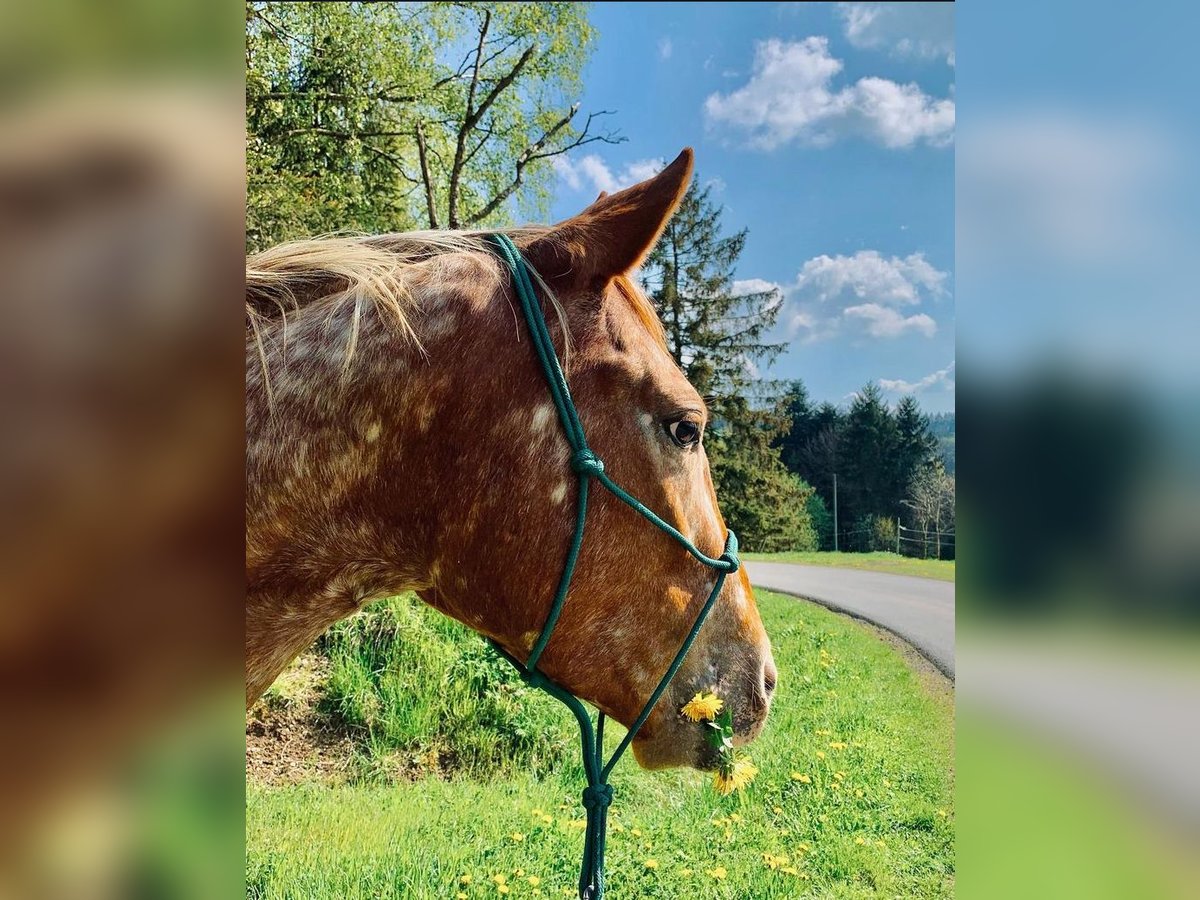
585,462
730,556
597,796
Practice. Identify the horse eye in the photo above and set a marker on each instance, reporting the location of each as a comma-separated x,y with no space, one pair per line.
684,432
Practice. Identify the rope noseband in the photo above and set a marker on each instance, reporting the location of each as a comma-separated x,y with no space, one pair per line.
597,796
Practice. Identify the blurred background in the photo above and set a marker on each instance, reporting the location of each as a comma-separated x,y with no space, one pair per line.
122,241
121,247
1079,503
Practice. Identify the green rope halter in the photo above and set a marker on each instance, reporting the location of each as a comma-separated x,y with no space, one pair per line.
597,796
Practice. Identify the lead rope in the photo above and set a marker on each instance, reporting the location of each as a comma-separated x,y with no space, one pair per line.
597,796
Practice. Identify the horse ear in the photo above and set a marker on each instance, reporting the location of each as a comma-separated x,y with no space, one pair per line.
614,234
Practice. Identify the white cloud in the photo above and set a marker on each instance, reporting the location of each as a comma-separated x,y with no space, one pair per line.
885,322
869,275
942,377
716,183
755,286
592,173
665,48
864,292
790,97
915,30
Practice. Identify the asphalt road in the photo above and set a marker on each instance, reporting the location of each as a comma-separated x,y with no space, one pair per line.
919,610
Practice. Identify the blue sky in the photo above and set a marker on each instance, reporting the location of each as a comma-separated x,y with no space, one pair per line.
828,131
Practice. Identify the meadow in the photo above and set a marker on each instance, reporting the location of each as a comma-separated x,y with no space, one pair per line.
460,782
877,561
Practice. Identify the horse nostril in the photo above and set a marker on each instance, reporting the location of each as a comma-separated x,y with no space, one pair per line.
770,675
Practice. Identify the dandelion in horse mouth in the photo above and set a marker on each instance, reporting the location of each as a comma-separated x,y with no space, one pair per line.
703,707
733,772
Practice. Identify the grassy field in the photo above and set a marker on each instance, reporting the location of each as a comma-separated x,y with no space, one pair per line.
853,799
943,570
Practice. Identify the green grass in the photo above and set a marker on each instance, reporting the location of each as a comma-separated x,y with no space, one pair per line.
942,570
846,703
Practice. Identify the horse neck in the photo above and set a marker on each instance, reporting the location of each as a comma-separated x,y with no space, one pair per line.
345,475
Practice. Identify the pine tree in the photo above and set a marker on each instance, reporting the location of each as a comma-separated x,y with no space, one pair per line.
867,482
717,335
916,447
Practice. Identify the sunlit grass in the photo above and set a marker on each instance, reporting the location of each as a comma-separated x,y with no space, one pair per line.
853,800
941,569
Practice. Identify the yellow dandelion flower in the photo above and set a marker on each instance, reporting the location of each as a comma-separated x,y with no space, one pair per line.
617,826
520,873
777,809
783,860
770,861
460,896
858,792
790,870
636,832
500,878
651,864
533,880
684,873
517,836
735,779
859,840
839,775
886,783
735,817
824,732
537,813
703,707
801,777
803,848
502,888
464,879
837,745
942,813
785,832
547,820
820,754
718,873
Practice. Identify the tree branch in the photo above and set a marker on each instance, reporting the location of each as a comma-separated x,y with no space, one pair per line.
430,202
535,152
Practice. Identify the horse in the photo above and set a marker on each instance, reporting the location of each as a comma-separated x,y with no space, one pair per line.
400,438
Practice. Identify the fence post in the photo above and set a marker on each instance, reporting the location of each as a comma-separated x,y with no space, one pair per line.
897,535
835,521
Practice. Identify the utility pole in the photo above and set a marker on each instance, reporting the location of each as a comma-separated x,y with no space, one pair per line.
835,525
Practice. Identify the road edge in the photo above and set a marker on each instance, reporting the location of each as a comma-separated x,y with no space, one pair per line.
867,620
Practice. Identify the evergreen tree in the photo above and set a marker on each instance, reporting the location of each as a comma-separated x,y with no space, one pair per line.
868,476
916,447
717,335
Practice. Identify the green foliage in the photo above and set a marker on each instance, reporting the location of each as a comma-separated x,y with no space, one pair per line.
822,521
383,117
764,503
409,680
843,694
878,455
